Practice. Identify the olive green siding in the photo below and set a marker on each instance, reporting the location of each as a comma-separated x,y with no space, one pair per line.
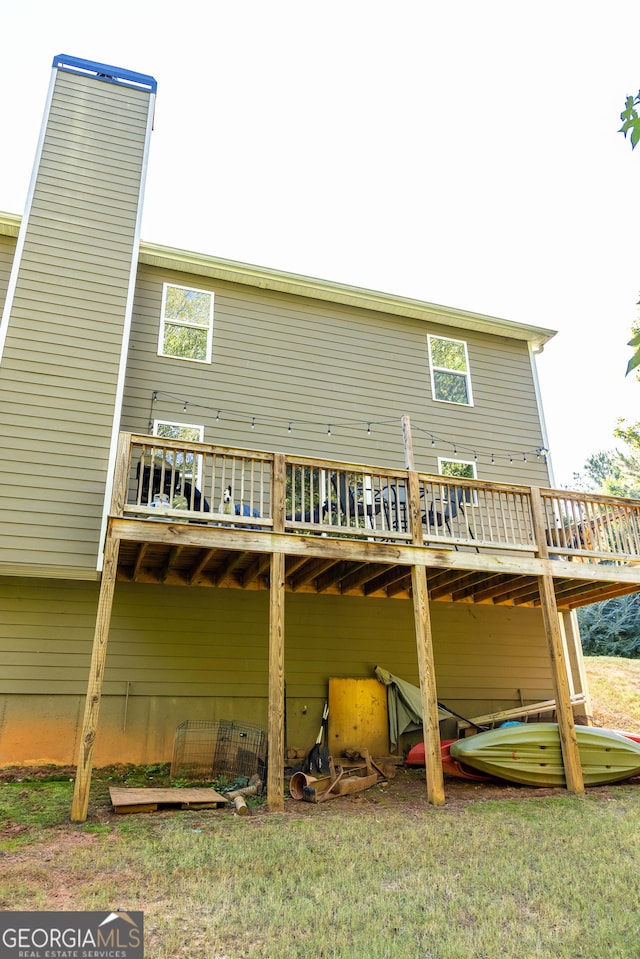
59,369
288,360
177,654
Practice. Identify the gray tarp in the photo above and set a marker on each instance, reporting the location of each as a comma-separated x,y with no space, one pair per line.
405,705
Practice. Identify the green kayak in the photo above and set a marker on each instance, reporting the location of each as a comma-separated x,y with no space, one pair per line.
530,754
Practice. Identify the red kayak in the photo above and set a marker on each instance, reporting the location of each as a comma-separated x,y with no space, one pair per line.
450,766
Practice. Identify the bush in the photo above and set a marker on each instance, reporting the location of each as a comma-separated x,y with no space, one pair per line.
611,628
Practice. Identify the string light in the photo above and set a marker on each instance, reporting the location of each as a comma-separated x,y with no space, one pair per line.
434,441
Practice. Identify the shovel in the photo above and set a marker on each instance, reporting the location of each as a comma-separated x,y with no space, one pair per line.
319,758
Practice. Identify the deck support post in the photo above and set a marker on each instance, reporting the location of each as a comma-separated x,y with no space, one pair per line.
557,651
275,730
94,686
424,640
276,705
562,689
426,669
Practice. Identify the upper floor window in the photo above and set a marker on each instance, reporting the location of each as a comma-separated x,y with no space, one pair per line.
450,374
186,328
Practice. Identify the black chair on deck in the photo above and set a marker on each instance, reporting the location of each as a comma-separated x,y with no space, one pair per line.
347,503
448,507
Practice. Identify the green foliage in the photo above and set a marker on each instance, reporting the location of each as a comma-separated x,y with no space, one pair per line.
634,362
631,120
611,628
614,472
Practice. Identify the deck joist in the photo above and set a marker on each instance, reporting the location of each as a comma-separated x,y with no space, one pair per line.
200,556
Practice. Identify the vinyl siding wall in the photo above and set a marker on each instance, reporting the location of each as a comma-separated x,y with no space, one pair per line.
59,370
286,359
177,654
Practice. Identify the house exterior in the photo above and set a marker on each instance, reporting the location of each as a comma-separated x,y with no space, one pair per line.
108,341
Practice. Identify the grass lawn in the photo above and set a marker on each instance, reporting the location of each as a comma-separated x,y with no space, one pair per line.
499,871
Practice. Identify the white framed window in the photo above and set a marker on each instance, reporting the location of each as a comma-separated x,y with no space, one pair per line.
462,469
186,324
450,373
186,461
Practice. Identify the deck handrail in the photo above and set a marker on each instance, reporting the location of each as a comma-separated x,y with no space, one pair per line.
180,481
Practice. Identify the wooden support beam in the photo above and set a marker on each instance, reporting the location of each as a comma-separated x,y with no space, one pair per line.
362,574
227,568
198,569
143,549
385,580
402,585
172,559
94,686
429,696
275,725
258,568
426,666
562,689
310,572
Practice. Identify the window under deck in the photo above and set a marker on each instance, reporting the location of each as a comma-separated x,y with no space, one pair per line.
203,515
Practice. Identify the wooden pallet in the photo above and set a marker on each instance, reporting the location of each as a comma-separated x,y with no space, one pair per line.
151,800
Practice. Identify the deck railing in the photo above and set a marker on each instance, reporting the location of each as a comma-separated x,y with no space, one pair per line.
200,483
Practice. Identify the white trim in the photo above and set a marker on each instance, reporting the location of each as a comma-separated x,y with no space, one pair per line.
126,334
187,326
263,278
17,257
196,471
450,459
444,369
187,426
543,424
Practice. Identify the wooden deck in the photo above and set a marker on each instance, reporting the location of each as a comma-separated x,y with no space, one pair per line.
207,516
349,529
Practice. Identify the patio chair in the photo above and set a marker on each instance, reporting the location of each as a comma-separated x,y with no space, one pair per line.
448,507
348,505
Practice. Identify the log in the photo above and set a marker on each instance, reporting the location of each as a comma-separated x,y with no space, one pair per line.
253,788
245,791
241,807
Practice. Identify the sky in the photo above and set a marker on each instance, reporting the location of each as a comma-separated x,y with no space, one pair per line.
461,153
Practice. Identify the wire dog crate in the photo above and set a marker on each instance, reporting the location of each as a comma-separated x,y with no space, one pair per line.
206,750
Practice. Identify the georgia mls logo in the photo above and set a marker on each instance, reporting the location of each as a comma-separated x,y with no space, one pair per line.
71,935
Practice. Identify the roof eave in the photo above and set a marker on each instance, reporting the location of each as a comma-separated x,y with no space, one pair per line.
264,278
